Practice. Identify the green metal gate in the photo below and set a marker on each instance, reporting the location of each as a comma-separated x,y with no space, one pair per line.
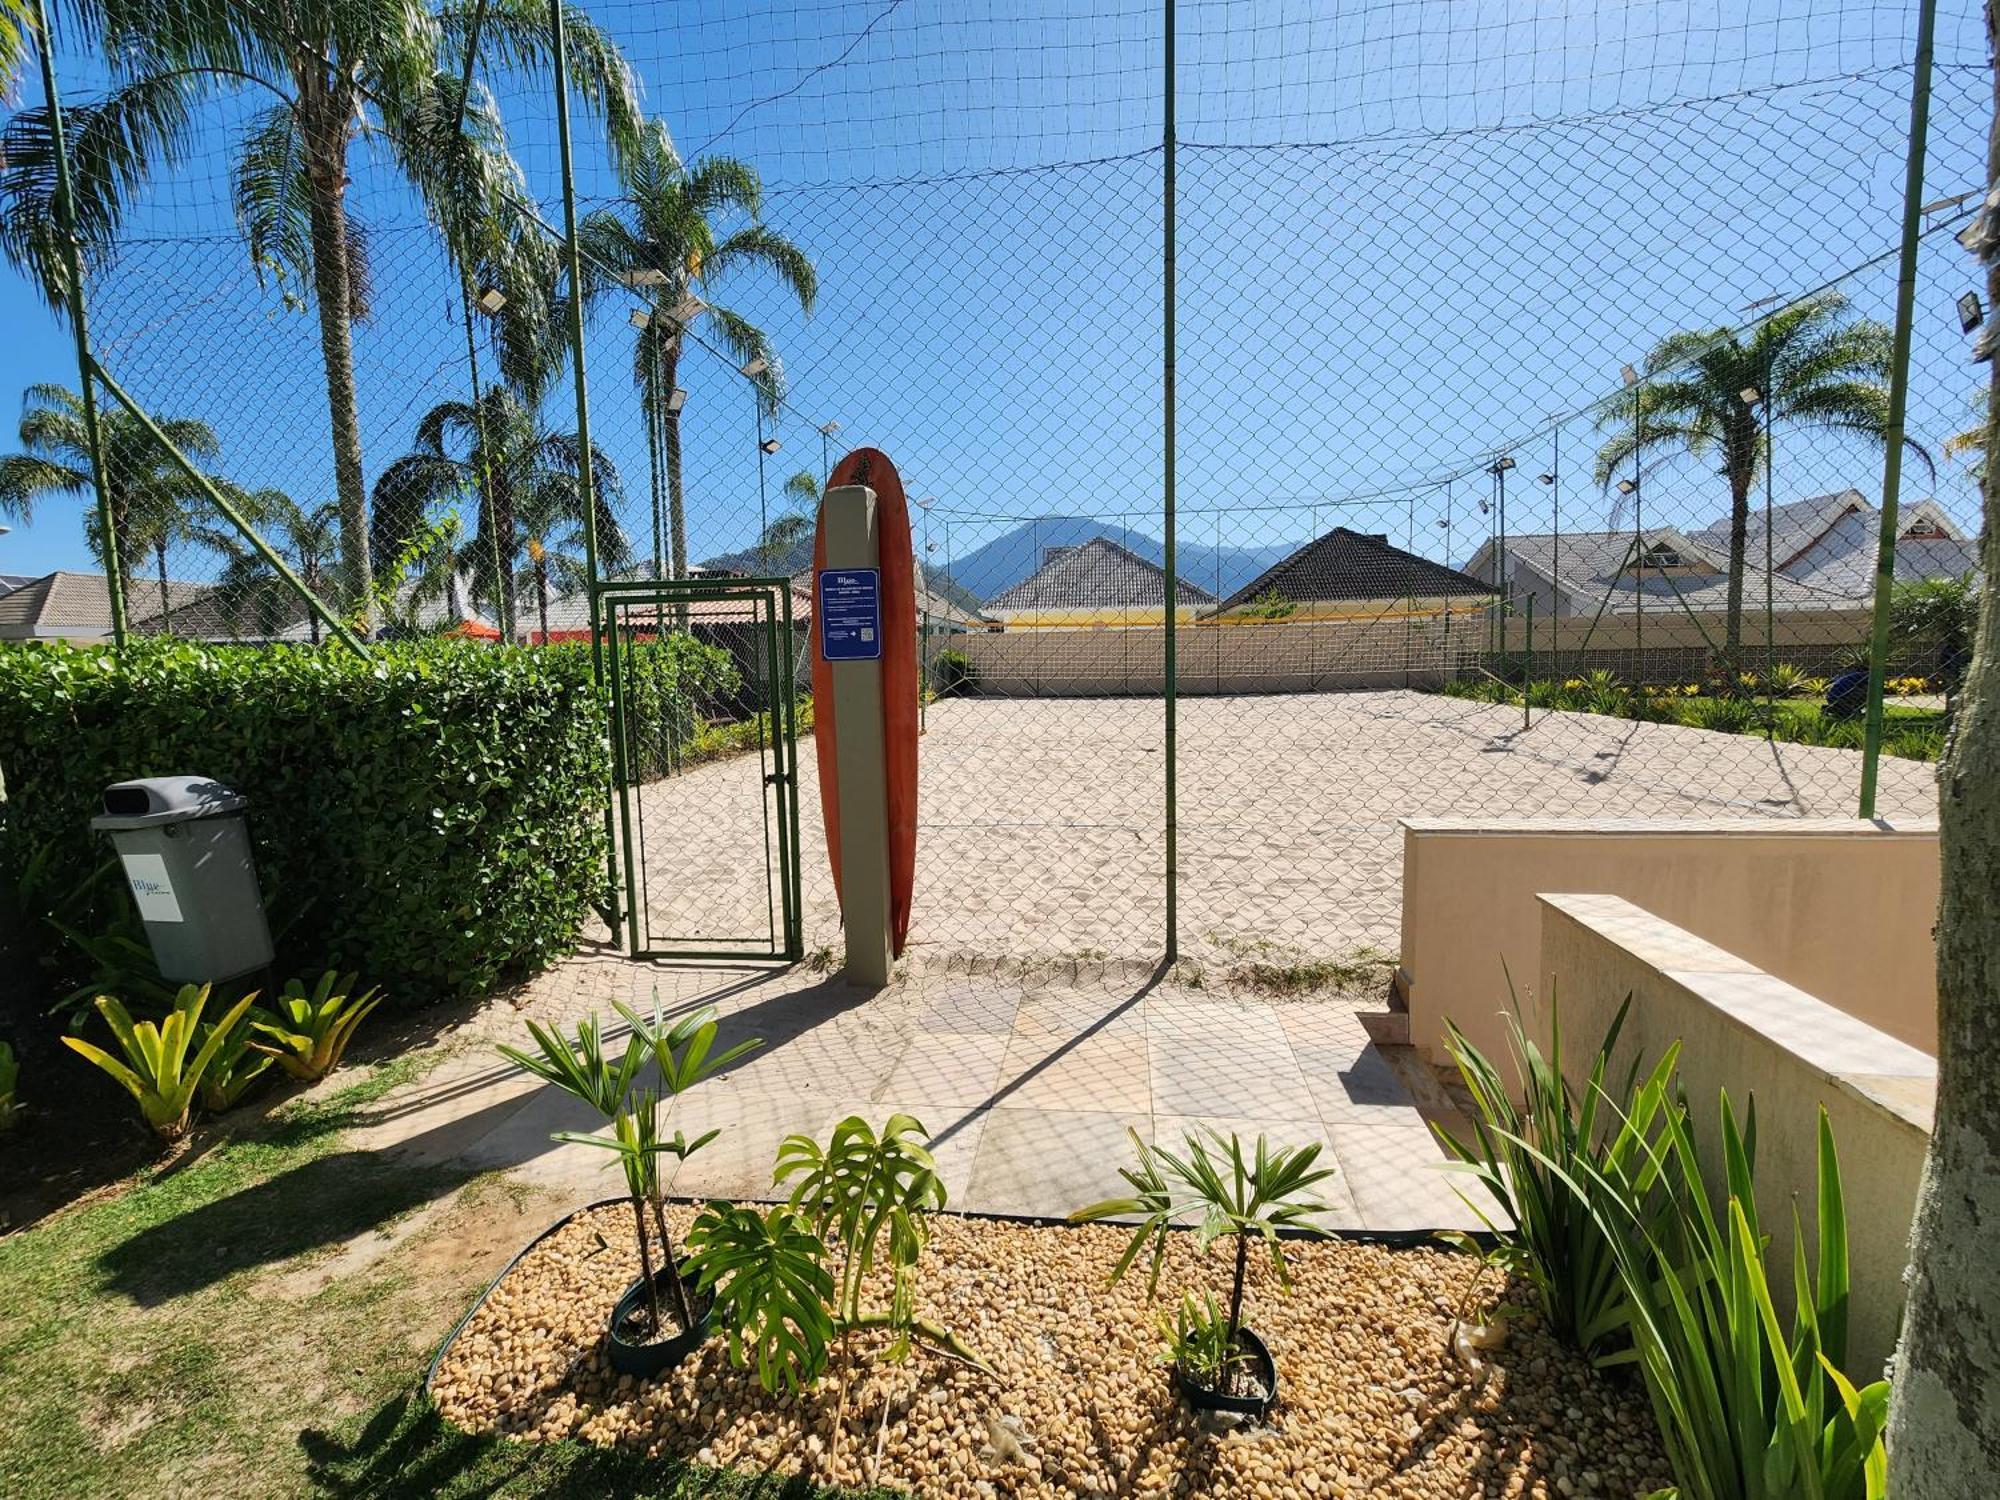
705,765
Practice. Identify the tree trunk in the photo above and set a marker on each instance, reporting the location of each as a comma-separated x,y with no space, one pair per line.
1739,536
1236,1288
1944,1414
166,608
670,429
503,525
542,596
326,174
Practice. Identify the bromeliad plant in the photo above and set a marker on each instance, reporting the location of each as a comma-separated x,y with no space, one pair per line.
308,1032
237,1067
1526,1150
157,1070
1236,1198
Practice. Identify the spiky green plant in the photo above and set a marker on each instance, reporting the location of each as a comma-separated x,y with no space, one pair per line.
309,1030
1529,1142
1195,1339
1236,1198
237,1067
157,1070
1747,1409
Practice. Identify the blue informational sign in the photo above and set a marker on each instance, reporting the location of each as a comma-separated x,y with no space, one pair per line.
850,614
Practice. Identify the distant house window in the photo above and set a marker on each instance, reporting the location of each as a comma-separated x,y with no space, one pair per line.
1923,528
1660,555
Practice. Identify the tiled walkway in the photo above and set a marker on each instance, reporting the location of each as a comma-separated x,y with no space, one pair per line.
1029,1091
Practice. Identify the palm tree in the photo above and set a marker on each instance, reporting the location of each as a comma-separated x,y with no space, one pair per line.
1821,370
15,24
154,504
395,70
670,234
525,481
306,538
796,523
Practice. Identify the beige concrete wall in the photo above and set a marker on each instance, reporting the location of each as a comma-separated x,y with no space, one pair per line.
1399,645
1843,909
1370,644
1755,1037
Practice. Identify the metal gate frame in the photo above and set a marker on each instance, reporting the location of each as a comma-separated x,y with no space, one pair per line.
770,600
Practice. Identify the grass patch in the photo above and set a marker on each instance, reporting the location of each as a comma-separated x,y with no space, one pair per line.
406,1451
1909,732
206,1330
1275,969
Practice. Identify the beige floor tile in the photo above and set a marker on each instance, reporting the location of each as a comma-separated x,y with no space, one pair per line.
1104,1072
1043,1161
945,1068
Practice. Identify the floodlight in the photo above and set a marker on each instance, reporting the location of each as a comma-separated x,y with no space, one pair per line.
830,428
1628,486
925,502
1970,313
491,298
769,445
1546,478
676,399
1939,205
1500,465
1629,375
1750,395
645,276
688,309
756,367
639,317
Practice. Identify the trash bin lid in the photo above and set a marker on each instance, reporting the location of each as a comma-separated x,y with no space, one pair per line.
153,800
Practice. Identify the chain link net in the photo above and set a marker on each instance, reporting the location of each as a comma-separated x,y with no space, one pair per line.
1440,271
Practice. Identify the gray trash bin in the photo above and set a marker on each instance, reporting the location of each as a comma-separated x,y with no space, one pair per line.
186,852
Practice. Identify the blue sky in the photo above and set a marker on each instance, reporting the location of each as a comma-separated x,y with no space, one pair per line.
1408,234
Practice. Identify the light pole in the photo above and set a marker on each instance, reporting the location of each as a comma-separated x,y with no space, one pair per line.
1498,469
1552,482
826,432
1630,489
755,371
924,503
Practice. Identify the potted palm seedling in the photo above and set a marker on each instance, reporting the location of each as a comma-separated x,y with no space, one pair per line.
1219,1364
662,1317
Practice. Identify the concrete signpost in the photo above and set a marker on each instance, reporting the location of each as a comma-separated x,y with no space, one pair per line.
848,609
864,666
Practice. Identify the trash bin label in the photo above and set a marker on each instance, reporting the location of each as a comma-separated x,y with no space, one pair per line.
151,888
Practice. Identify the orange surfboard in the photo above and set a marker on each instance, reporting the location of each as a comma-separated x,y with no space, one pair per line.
871,466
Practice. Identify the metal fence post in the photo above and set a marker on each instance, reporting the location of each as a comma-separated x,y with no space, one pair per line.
1899,398
79,323
559,59
1167,492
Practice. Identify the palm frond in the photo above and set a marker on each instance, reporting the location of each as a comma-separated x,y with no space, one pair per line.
272,199
115,145
766,249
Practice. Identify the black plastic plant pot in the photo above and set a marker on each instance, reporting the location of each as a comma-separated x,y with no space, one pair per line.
656,1356
1254,1368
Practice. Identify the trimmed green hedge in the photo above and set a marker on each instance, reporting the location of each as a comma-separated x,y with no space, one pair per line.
671,687
432,816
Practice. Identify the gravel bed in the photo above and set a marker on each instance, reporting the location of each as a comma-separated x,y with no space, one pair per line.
1371,1401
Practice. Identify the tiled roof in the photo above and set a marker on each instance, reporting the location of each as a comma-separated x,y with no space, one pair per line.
1794,526
1098,574
1354,565
79,604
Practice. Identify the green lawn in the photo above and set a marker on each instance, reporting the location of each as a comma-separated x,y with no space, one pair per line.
210,1328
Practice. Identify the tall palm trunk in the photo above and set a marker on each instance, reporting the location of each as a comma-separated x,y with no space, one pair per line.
325,133
542,593
1739,537
166,610
503,528
670,432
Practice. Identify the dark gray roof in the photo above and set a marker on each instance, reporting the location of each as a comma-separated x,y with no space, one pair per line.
1098,574
1355,565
